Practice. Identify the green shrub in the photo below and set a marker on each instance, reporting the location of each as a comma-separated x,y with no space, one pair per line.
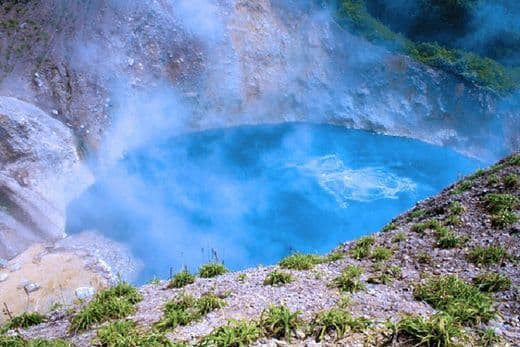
212,270
389,227
335,255
453,220
234,334
181,279
420,228
438,330
487,255
448,239
241,277
300,261
417,213
385,275
381,253
277,278
492,282
349,280
336,321
500,202
113,303
504,219
457,298
25,320
456,208
279,322
492,179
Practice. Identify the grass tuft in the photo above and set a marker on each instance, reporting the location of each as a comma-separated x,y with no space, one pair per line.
278,278
457,298
336,322
511,180
300,261
487,255
362,248
113,303
181,279
237,333
279,322
349,280
502,209
492,282
381,253
438,330
125,334
212,270
446,238
25,320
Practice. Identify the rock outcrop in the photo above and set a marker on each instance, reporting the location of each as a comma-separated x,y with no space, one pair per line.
40,172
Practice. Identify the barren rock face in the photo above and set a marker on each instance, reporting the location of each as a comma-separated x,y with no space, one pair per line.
39,173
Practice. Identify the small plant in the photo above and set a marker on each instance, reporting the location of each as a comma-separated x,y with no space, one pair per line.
489,338
448,239
502,208
241,277
453,220
25,320
181,279
385,275
399,237
424,258
337,322
362,247
456,208
335,255
463,186
155,281
389,227
278,278
487,255
437,330
417,213
381,253
511,180
349,280
492,282
420,228
503,219
492,180
125,334
113,303
300,261
209,302
212,270
235,334
17,341
279,322
457,298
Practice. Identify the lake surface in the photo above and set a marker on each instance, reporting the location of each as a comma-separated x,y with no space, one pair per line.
251,195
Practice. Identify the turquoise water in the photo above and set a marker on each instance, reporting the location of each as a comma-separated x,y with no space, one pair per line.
251,195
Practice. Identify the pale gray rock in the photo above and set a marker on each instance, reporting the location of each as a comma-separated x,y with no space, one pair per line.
83,293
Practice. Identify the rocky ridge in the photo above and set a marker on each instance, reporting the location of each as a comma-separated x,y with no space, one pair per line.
470,229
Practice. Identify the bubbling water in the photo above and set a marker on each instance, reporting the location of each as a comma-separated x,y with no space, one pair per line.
251,195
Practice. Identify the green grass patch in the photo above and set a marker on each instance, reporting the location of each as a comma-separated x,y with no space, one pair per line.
333,256
439,330
389,227
112,303
462,186
456,208
381,253
17,341
186,309
420,228
423,258
459,299
399,237
385,275
492,282
362,248
502,209
278,278
212,270
336,323
237,333
349,280
300,261
511,180
279,322
124,333
25,320
487,255
446,238
181,279
417,213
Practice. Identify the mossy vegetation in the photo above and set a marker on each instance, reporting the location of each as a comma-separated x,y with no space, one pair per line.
113,303
462,186
278,278
399,237
381,253
336,322
181,279
459,299
212,270
25,320
438,330
125,333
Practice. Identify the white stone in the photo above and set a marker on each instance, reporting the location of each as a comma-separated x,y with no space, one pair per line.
3,276
31,287
83,293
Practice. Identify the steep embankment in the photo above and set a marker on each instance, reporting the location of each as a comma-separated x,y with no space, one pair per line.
452,259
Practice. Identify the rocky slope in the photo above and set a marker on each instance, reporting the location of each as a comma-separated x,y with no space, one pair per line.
451,240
